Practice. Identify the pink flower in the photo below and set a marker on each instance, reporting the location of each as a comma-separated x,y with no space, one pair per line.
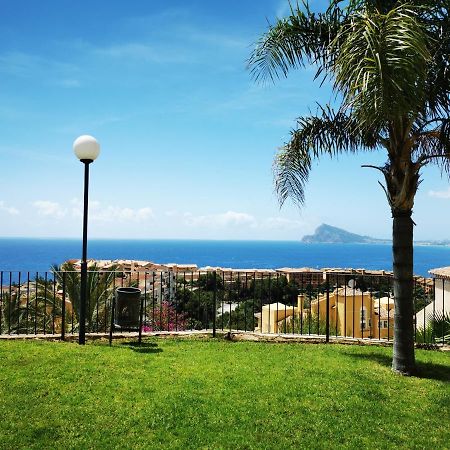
165,318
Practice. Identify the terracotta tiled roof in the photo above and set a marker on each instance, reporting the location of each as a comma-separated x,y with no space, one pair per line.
298,270
350,292
441,272
350,271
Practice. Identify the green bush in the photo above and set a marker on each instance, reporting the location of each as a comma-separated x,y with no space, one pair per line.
437,331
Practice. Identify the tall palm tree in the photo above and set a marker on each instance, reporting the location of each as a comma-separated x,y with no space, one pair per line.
389,63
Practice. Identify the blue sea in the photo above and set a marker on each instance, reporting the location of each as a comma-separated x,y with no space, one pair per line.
37,255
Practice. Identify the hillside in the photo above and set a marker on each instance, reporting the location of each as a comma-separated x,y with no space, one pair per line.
333,235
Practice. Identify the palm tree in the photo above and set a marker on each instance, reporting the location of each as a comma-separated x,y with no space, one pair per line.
100,285
46,307
13,317
22,313
389,63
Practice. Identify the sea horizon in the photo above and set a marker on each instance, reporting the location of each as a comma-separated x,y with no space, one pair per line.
38,254
382,241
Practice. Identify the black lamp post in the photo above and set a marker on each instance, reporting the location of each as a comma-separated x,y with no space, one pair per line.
86,149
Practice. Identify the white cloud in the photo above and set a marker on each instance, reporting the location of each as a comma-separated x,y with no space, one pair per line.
142,52
69,83
242,220
77,207
215,39
144,213
48,208
172,37
30,66
112,213
440,194
8,209
184,28
280,223
232,224
227,219
257,96
169,15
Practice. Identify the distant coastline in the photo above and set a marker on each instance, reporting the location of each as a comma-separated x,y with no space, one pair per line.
307,239
328,234
28,254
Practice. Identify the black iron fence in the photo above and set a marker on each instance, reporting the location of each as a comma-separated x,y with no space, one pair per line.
331,304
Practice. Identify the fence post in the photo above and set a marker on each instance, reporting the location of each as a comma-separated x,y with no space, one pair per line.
63,309
327,324
1,300
215,304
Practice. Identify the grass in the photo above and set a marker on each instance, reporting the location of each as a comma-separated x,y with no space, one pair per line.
218,394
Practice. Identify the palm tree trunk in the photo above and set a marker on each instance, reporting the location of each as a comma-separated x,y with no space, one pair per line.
403,360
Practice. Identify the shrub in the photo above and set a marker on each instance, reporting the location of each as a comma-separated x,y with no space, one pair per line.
437,331
165,318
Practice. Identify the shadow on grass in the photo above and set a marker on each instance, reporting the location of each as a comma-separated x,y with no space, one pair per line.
431,371
143,347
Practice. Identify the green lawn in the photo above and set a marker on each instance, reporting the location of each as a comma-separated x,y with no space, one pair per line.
218,394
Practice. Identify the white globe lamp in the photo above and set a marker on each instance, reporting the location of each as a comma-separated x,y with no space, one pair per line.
86,148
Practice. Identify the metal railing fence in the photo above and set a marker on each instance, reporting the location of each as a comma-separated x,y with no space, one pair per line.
333,304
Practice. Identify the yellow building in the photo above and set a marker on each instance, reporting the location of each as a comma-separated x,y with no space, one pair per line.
355,313
272,315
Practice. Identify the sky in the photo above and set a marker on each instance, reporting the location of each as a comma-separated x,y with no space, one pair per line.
187,136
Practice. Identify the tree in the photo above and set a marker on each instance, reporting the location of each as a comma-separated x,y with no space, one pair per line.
100,287
195,301
13,313
22,312
389,64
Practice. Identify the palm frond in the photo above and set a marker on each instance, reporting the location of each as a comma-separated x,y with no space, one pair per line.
100,285
329,133
301,38
436,17
13,313
433,145
381,64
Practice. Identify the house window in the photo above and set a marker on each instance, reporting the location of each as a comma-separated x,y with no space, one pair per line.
363,318
384,324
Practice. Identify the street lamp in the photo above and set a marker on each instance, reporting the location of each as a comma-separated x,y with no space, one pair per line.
86,149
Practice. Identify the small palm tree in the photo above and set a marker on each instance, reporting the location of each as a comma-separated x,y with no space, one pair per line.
100,285
437,330
46,307
389,62
12,313
23,313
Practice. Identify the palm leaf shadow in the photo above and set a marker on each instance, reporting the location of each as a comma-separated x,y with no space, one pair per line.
431,371
143,347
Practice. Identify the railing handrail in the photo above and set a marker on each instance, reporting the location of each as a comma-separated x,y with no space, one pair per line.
293,302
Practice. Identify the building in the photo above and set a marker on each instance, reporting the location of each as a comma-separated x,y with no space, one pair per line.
303,276
354,313
156,281
273,315
440,305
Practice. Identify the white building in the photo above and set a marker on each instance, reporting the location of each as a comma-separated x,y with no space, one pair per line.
441,303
